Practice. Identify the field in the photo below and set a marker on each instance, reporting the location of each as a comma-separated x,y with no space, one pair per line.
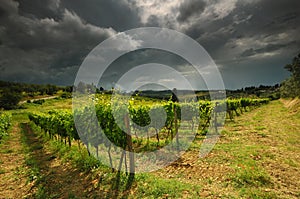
256,156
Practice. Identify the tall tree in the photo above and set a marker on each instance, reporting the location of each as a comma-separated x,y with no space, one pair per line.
9,99
291,86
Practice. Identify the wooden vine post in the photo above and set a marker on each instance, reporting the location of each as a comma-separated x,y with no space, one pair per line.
129,146
175,100
176,127
216,118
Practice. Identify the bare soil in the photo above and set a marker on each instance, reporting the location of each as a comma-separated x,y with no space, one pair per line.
13,179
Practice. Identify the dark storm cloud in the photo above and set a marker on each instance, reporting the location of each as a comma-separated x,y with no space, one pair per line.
46,41
117,14
249,28
153,21
189,8
150,56
40,9
2,12
256,72
248,36
45,49
267,48
144,56
256,20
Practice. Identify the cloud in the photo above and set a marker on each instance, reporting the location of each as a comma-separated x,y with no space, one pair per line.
158,13
157,8
46,41
8,7
40,9
219,9
244,27
124,42
117,14
262,46
46,46
268,50
189,8
136,58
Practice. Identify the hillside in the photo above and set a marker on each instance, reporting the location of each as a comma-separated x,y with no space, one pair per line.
257,156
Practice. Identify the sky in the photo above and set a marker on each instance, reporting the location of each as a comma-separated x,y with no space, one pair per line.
46,41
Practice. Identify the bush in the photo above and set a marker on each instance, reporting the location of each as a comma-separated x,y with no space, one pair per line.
9,99
40,102
66,95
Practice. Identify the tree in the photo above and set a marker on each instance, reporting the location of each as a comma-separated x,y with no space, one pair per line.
291,86
81,87
9,99
68,89
51,89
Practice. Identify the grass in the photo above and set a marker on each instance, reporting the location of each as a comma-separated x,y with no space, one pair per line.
257,194
112,182
259,128
253,173
164,188
33,170
7,151
250,176
78,157
256,157
21,115
248,160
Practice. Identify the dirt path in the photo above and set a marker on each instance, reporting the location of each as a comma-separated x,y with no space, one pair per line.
13,178
36,99
28,169
56,179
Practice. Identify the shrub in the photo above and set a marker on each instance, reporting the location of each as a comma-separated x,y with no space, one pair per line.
9,99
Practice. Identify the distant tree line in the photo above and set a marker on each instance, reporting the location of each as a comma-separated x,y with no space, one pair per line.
291,86
30,89
89,88
263,91
12,92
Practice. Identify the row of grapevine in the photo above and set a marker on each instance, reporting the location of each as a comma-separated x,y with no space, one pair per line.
113,119
237,106
5,122
143,117
58,124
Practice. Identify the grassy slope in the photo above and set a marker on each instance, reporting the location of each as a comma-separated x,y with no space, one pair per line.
256,157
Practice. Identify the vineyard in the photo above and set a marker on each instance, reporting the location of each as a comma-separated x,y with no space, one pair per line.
78,153
5,123
140,99
150,126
